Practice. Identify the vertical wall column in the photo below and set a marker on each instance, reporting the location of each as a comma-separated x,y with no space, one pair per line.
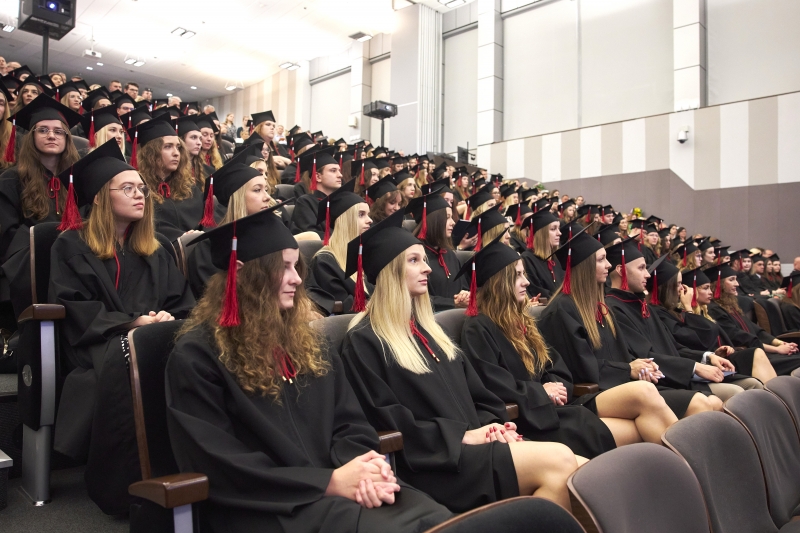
689,53
490,72
360,90
416,80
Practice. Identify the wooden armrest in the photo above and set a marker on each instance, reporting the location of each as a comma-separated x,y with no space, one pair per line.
792,336
338,308
513,411
42,312
172,491
579,389
390,441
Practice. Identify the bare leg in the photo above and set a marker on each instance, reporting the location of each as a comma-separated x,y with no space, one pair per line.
542,470
640,402
624,431
762,368
701,403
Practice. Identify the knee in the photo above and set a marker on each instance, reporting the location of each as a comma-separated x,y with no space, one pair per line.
714,403
750,384
760,356
563,460
644,393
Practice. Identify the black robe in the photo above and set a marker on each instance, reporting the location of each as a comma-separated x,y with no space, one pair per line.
288,174
95,414
649,255
12,218
517,244
539,275
269,463
502,371
441,287
743,332
326,274
300,189
176,217
433,411
607,366
304,216
791,315
749,284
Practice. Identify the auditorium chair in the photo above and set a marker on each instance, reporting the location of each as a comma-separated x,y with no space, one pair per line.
409,224
289,210
39,368
284,191
772,429
514,515
770,317
172,492
182,249
787,389
723,457
796,373
335,328
308,249
642,488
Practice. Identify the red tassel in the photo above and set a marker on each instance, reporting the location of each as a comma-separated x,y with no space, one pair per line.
566,288
472,308
479,242
694,292
423,227
624,286
313,177
12,141
519,215
341,162
654,293
641,238
361,179
208,213
92,142
684,255
71,219
588,216
718,290
229,316
789,291
134,163
327,239
531,233
297,172
360,297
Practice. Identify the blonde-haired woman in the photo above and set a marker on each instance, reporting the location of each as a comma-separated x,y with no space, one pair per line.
70,95
103,125
480,202
345,216
405,184
112,275
459,446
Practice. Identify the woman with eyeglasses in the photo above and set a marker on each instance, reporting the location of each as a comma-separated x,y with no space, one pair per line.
111,273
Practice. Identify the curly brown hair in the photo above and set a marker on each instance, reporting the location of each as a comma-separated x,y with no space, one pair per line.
729,302
150,166
246,350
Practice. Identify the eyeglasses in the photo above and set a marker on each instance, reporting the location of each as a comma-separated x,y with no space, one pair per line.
45,132
128,190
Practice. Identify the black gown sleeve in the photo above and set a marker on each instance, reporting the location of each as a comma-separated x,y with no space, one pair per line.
737,335
10,216
791,315
304,217
200,268
325,274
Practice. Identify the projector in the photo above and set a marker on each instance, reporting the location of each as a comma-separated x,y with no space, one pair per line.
92,53
380,110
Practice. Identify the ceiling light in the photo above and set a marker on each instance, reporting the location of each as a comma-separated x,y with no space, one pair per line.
138,63
99,64
286,65
361,36
456,3
89,68
169,94
130,61
193,87
178,31
230,87
188,34
293,67
8,28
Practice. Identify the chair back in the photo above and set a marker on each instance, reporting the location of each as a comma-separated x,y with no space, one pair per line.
308,249
289,210
284,190
150,347
452,322
732,482
787,389
182,248
775,316
773,430
464,255
535,311
334,328
409,224
514,515
653,491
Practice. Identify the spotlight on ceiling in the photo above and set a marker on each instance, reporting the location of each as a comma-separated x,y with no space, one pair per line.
130,60
193,87
361,36
138,63
8,28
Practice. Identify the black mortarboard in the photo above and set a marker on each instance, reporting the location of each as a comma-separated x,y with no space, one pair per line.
44,108
185,125
441,186
46,80
81,84
93,96
654,219
575,245
400,177
39,85
381,187
381,162
380,150
342,158
789,282
517,212
187,106
717,273
93,171
62,90
661,271
11,83
507,190
483,223
135,117
542,219
335,205
228,179
158,127
206,121
19,71
705,244
542,203
94,121
695,277
340,141
295,129
744,253
483,265
607,234
423,206
663,232
480,197
314,159
263,116
755,258
623,253
124,99
722,251
773,257
299,141
172,111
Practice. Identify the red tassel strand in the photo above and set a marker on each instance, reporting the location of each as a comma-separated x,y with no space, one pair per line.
71,219
423,227
566,288
718,289
12,141
55,186
694,292
163,189
479,242
531,233
360,297
314,175
208,213
92,141
472,308
654,293
361,179
624,286
327,239
230,307
134,163
297,172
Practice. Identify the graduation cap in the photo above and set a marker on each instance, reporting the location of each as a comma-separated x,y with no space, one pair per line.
206,121
187,106
661,271
370,252
46,80
334,205
744,253
98,119
93,97
122,100
516,212
222,183
263,116
64,89
401,176
21,71
81,84
537,221
705,244
295,129
652,219
622,253
717,274
185,125
379,151
172,111
381,187
342,158
442,186
41,108
299,141
359,168
694,278
789,282
493,258
773,257
565,205
576,247
543,203
86,177
507,190
39,85
588,210
314,159
424,205
135,117
755,258
483,223
318,136
381,162
212,115
243,240
340,141
10,83
607,234
148,131
721,252
663,232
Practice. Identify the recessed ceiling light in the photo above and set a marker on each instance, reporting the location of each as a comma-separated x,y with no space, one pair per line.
99,64
193,87
293,67
8,28
286,65
230,88
169,94
130,61
178,31
361,36
456,3
188,34
138,63
89,68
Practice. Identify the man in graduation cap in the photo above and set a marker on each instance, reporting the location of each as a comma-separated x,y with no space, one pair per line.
325,177
124,104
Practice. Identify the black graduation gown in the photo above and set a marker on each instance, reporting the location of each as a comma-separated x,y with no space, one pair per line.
300,189
607,366
304,216
502,371
441,287
289,174
540,276
176,217
743,332
326,274
269,463
699,333
649,255
518,245
791,315
96,413
11,217
433,411
749,284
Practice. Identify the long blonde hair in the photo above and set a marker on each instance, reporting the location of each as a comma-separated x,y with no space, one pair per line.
237,204
99,232
497,300
101,137
389,311
481,210
5,131
345,230
149,163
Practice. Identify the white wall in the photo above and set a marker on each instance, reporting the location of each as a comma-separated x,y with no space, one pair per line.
329,106
461,91
753,49
381,90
